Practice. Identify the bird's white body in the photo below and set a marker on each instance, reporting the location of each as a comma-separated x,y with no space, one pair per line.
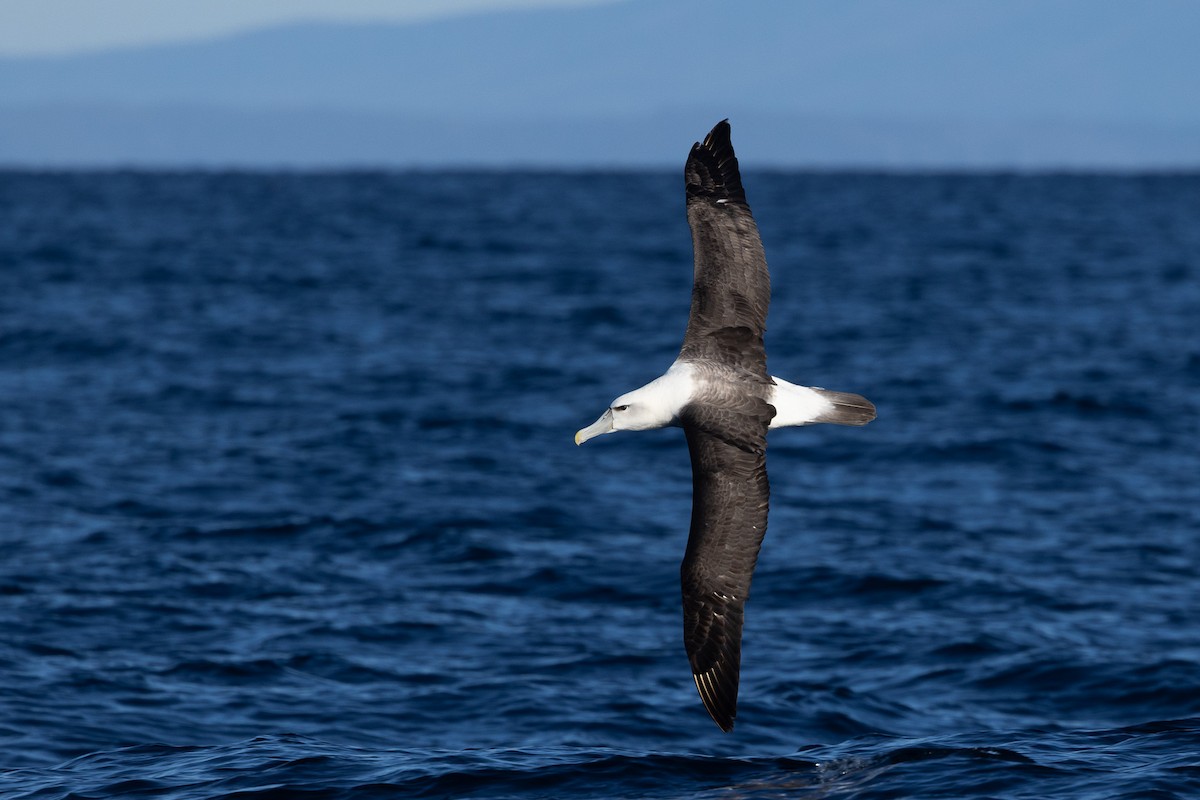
659,402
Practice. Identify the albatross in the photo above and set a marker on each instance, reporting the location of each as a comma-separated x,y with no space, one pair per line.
719,391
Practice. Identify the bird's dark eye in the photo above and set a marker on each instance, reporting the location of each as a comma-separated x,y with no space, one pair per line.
620,408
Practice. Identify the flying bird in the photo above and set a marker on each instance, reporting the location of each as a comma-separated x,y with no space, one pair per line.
720,393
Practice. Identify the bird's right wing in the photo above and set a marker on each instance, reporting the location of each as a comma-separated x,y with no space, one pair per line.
731,289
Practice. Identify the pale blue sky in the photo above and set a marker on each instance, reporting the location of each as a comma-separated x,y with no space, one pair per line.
992,83
33,27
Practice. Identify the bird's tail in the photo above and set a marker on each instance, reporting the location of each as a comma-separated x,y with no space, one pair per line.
805,405
848,408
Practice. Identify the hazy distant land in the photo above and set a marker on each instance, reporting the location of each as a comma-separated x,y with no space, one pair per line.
867,83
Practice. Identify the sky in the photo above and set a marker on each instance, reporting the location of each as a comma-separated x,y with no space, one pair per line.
876,83
59,27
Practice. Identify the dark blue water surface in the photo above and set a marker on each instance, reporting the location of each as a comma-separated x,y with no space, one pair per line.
290,506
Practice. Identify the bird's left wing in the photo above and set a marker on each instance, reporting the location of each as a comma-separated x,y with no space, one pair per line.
730,494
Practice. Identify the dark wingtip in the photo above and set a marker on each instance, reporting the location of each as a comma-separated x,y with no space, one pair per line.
719,694
719,135
712,168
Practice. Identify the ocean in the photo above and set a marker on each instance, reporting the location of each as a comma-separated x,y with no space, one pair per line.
290,508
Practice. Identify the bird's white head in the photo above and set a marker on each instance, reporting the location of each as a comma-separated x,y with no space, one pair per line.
655,405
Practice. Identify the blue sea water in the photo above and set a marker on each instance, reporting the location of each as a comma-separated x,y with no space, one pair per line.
289,506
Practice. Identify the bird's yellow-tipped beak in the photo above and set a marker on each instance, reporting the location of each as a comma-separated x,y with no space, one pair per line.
597,428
